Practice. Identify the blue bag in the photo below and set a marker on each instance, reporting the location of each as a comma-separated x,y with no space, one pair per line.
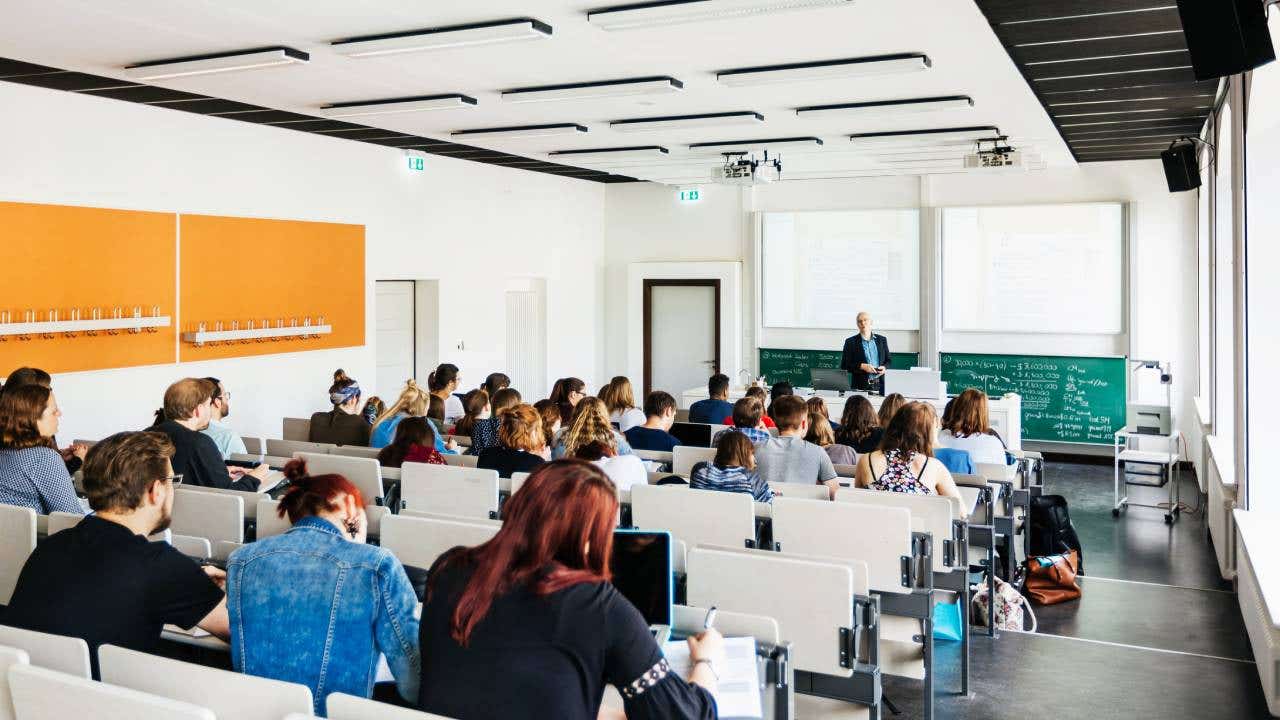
948,622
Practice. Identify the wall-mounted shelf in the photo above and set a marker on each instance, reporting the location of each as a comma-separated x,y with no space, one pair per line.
29,327
203,336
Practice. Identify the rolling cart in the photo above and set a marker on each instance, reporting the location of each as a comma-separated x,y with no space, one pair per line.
1156,468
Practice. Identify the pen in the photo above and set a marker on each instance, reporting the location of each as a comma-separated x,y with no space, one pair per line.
711,619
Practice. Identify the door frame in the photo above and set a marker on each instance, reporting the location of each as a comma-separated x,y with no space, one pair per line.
647,338
413,301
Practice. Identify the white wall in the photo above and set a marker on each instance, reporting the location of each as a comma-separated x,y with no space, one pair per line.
467,224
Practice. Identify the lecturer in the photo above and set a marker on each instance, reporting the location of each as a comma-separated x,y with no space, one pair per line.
865,355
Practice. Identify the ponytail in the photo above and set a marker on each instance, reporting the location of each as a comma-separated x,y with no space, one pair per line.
311,495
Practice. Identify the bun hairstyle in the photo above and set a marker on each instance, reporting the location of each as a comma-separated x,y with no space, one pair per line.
413,401
311,495
444,375
343,388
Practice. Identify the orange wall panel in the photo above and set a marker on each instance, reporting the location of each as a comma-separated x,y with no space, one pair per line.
243,269
61,257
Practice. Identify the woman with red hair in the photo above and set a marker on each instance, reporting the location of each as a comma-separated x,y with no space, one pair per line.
317,605
527,625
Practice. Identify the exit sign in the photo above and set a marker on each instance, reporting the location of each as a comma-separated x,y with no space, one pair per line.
416,164
690,195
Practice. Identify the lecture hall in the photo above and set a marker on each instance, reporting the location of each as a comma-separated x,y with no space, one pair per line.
648,359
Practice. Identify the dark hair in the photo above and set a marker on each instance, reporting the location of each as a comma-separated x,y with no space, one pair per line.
411,431
789,412
503,399
565,386
557,532
889,408
858,422
495,382
20,411
658,402
311,495
594,450
27,376
747,412
718,384
473,403
549,410
444,374
911,430
779,390
969,414
216,393
757,392
119,470
340,392
734,449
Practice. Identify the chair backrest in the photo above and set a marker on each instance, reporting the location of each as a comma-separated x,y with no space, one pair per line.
8,658
17,540
40,694
463,440
684,457
290,448
469,492
364,473
969,480
992,471
929,513
252,445
878,536
517,479
451,518
229,694
250,498
698,517
268,522
810,599
296,429
222,549
212,516
801,491
716,429
654,455
419,541
340,706
59,521
846,471
689,621
57,652
193,547
466,461
355,451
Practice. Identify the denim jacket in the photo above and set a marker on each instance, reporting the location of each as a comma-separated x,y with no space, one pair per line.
310,607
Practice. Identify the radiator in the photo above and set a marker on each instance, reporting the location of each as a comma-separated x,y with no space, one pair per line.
1222,501
1264,638
527,343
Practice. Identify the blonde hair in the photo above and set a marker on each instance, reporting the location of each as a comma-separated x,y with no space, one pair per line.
617,395
413,401
819,429
590,424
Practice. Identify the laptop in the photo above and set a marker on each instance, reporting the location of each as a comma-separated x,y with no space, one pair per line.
830,379
641,568
692,434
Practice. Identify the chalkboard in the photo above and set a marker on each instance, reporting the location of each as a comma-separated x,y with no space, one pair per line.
793,365
1064,399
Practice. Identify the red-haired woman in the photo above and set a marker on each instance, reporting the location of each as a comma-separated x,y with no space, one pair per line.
317,605
528,626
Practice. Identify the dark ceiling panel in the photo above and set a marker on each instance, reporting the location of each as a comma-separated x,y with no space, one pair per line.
1101,47
1143,131
213,106
144,94
1209,88
11,68
1081,124
268,116
70,81
1001,11
1163,105
1119,80
1089,26
371,134
1124,63
319,125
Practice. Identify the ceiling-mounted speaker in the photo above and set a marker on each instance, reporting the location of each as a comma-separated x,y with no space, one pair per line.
1181,169
1225,37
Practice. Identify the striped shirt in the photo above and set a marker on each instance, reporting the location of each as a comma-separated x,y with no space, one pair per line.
37,478
709,476
755,435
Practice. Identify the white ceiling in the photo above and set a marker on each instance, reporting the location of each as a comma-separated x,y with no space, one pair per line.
102,36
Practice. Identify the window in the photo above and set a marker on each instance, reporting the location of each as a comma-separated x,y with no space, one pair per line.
1203,267
1224,315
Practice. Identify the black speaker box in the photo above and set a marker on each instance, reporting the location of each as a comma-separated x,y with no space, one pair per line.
1180,167
1225,37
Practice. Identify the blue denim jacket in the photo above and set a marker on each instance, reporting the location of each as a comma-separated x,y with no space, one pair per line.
310,607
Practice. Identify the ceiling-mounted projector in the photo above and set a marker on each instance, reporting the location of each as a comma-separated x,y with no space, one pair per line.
741,168
999,155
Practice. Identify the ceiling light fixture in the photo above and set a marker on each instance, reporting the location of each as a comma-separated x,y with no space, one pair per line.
673,12
724,146
648,152
825,69
215,63
877,108
439,38
939,136
675,122
390,106
523,131
606,88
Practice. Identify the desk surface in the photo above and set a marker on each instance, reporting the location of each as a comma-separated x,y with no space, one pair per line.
970,496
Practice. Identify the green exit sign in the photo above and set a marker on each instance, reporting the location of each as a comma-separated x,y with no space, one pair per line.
689,195
416,164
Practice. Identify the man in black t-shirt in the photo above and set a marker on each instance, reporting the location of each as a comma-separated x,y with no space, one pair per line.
103,580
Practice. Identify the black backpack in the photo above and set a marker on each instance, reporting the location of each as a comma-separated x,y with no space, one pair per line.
1051,529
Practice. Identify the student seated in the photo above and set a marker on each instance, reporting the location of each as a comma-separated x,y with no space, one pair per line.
484,433
527,626
859,426
621,403
495,382
590,422
779,390
188,405
566,394
412,402
414,443
318,605
344,424
968,427
551,424
32,473
624,470
820,434
227,440
660,414
748,419
903,463
442,383
373,407
889,407
789,457
102,580
762,397
732,470
522,444
957,461
716,406
475,405
72,455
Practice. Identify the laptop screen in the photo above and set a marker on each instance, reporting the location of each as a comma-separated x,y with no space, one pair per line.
692,434
641,568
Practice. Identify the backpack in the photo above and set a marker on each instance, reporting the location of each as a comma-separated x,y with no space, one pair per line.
1051,530
1011,609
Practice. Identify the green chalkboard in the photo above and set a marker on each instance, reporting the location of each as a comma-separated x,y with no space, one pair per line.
793,365
1064,399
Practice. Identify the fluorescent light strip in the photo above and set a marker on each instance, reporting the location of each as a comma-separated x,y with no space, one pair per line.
825,69
216,63
443,37
397,105
523,131
647,152
716,148
673,12
606,88
673,122
940,136
889,107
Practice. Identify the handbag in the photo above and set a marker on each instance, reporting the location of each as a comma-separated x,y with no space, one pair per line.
1051,579
948,622
1011,610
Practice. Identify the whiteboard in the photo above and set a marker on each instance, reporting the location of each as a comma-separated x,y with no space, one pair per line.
1034,269
820,269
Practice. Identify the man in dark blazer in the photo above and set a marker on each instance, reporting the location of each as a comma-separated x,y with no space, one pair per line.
865,355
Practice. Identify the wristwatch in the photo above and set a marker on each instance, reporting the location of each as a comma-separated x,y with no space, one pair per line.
709,665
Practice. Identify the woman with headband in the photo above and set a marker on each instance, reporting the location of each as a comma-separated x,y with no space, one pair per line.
343,425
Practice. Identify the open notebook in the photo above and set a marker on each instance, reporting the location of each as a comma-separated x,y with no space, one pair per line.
739,684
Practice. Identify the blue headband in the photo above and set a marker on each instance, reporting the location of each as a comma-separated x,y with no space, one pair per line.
340,396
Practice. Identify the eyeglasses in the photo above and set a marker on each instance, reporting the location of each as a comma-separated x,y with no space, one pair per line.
175,479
